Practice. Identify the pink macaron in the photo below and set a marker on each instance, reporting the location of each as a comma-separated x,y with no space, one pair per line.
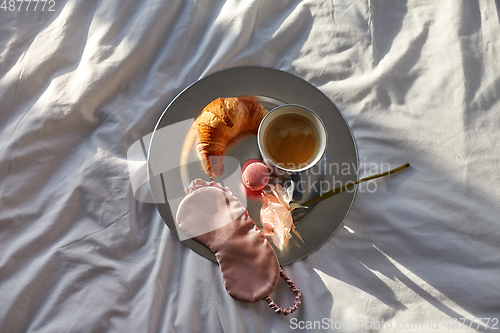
255,174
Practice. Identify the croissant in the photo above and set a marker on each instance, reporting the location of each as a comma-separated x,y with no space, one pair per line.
219,122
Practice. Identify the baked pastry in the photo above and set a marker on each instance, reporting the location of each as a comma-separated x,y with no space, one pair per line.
219,122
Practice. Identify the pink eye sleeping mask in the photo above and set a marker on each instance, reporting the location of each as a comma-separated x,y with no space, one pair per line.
214,217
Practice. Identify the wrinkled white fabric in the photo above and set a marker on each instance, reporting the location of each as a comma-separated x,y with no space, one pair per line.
418,81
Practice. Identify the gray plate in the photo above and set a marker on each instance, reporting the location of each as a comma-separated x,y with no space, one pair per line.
173,161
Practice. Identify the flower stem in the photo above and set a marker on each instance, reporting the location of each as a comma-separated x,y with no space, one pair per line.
351,184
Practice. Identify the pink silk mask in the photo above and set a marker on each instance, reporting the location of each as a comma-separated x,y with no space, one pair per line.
214,217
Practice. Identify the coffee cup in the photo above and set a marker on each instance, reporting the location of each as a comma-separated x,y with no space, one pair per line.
291,139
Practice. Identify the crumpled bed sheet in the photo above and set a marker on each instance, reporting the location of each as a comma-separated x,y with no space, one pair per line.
417,81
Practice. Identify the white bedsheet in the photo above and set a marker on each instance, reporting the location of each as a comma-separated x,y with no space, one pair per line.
418,82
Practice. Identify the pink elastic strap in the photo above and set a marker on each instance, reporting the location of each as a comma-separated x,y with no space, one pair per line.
294,288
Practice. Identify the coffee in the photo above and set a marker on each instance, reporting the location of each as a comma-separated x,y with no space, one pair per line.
292,141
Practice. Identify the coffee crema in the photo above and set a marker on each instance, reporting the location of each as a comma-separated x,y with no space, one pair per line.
292,141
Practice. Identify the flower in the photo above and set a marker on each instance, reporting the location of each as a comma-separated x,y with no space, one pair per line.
275,214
